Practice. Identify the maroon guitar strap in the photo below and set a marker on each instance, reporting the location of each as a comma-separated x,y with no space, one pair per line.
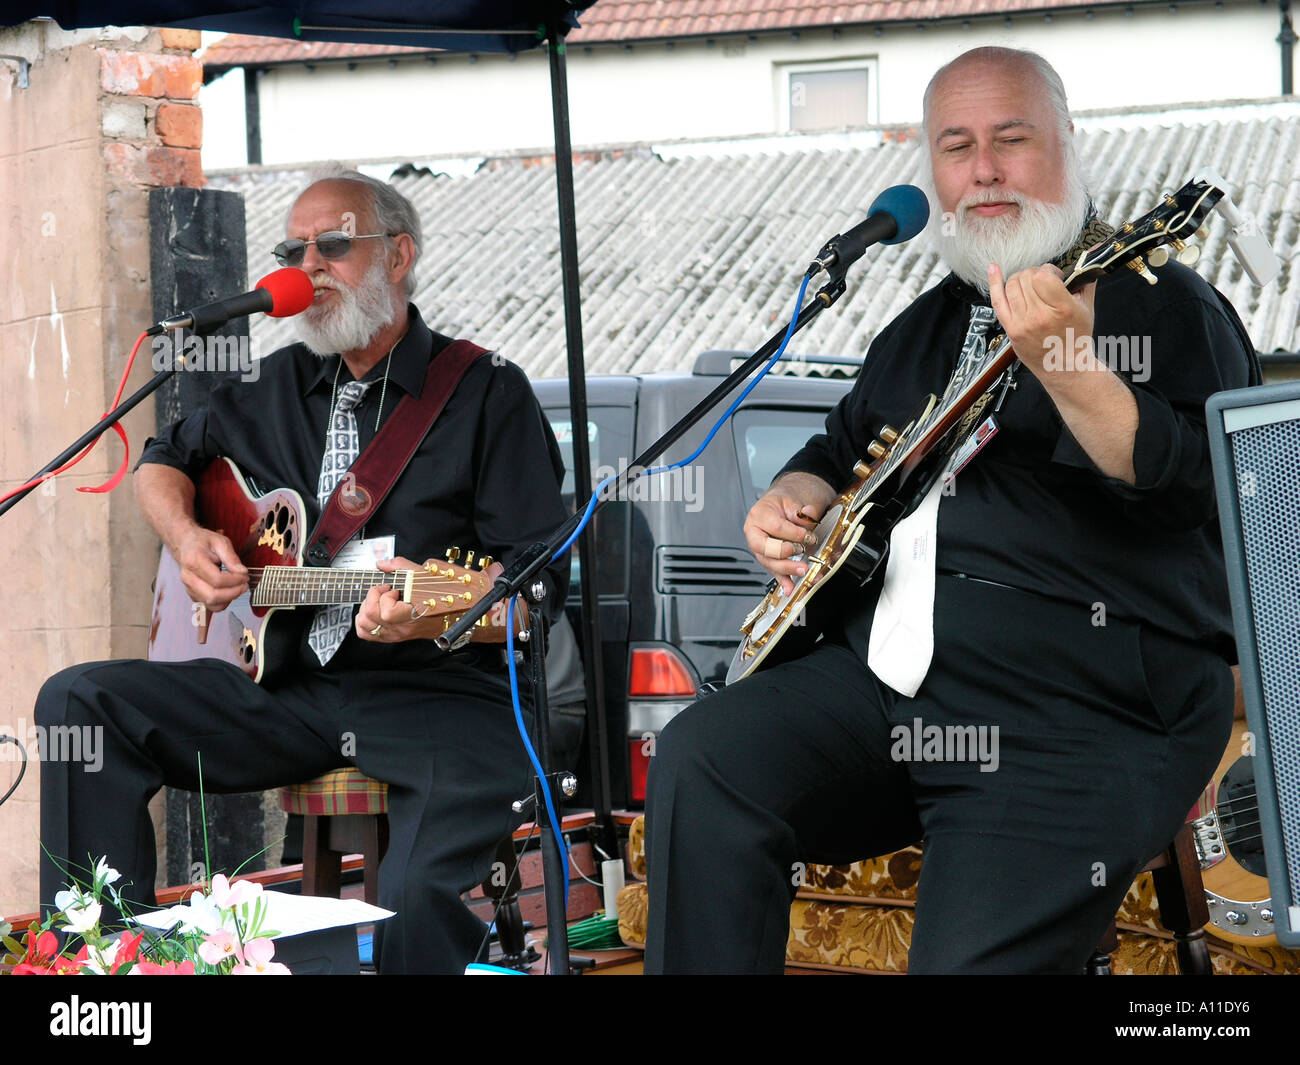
373,474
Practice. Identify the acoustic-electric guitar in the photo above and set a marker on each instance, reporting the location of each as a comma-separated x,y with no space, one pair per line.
267,532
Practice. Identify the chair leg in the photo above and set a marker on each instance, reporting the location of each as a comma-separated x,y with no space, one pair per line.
375,835
321,867
1099,963
1180,893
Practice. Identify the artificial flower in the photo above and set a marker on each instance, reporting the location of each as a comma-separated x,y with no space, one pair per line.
257,960
219,946
81,912
227,895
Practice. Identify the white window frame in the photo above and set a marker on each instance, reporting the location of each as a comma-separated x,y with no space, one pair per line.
784,72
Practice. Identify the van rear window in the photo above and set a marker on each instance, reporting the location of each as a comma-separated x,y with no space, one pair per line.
766,439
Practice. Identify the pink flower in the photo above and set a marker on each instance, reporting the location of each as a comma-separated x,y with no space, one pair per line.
257,960
227,895
219,946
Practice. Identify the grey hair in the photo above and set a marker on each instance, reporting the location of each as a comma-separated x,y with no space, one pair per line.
1009,57
394,213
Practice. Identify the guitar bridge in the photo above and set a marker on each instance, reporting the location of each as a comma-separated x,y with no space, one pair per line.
1208,837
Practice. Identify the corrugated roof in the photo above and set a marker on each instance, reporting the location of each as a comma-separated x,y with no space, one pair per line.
612,21
682,254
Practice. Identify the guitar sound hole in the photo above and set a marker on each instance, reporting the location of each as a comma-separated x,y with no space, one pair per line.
281,519
1238,807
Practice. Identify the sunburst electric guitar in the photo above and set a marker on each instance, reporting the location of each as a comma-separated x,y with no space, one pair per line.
902,464
268,535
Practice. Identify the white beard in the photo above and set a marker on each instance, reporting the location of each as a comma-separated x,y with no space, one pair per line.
1038,233
352,323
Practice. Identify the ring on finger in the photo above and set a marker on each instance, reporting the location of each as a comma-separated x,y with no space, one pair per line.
376,630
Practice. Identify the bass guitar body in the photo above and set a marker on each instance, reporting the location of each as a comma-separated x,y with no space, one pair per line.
1231,849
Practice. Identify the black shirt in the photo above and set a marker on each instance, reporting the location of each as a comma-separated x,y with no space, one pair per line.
487,476
1031,510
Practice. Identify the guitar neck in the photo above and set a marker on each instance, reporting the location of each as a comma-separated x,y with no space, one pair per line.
313,586
960,395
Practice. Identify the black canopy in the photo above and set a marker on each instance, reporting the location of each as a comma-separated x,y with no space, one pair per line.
457,25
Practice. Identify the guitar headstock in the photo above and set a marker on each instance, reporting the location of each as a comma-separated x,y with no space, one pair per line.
449,589
446,587
1146,240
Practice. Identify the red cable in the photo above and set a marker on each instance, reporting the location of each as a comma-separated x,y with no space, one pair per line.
116,479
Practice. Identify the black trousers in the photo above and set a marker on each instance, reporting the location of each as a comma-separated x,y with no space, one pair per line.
1105,735
444,740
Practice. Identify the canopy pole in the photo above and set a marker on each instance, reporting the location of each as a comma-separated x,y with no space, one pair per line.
594,672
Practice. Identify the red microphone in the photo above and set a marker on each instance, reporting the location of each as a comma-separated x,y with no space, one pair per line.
291,291
280,294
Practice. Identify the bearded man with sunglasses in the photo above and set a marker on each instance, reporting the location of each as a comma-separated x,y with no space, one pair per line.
370,690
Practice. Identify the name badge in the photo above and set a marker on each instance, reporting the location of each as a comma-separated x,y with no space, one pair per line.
363,554
971,446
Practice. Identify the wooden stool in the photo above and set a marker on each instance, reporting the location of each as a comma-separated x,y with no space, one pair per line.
344,812
1180,893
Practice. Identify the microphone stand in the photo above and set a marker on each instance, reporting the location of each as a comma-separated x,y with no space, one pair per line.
524,571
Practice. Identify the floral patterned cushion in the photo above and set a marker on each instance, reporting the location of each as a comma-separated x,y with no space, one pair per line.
859,918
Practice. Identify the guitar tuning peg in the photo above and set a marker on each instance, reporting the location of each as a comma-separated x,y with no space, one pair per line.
875,449
1139,266
453,553
1189,254
469,557
888,434
468,597
484,562
1157,257
1204,232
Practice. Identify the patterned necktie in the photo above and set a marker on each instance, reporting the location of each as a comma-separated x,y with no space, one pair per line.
332,623
902,631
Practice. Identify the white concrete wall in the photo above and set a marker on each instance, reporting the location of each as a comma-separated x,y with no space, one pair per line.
653,93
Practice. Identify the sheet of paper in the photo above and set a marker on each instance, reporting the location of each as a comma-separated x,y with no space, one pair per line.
289,915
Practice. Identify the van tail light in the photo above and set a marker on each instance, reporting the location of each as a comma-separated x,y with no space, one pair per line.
661,684
659,671
638,766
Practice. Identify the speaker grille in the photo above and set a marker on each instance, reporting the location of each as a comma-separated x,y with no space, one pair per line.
1268,489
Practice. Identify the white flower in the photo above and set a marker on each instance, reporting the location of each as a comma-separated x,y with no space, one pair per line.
109,875
100,961
80,911
196,914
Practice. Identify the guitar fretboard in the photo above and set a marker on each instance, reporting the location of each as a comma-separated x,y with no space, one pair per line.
309,586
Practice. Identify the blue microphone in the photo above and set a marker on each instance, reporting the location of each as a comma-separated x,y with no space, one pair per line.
898,214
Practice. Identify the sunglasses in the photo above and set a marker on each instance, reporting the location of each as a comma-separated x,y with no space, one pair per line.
333,245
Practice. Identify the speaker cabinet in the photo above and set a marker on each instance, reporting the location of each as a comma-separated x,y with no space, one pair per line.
1254,438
